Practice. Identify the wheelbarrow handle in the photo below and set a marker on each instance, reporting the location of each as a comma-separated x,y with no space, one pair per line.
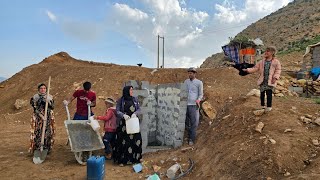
67,110
89,112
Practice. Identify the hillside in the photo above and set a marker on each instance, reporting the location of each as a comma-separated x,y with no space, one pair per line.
229,148
290,29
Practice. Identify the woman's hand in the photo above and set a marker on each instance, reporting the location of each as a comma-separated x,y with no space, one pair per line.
126,117
273,80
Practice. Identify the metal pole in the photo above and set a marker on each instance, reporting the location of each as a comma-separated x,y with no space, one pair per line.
163,52
158,53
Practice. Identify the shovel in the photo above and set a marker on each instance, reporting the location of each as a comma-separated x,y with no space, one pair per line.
40,156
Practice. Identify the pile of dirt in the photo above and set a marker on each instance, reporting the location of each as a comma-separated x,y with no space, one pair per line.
227,148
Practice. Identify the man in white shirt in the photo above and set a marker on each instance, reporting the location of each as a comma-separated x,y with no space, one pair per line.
195,94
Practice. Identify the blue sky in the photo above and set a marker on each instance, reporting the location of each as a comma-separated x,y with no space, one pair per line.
122,32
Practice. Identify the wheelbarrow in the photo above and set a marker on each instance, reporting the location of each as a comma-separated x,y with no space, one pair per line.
82,138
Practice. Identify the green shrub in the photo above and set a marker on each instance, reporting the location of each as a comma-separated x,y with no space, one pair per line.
300,45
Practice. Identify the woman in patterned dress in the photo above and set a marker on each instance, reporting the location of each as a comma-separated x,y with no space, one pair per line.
38,102
128,147
270,70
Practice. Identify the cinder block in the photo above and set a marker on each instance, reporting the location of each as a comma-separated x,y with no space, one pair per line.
177,143
132,83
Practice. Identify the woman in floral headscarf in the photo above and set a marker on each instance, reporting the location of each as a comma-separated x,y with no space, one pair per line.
38,102
128,147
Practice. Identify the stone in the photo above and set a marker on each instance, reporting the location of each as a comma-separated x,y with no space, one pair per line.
287,174
309,116
1,86
258,112
307,120
317,121
301,82
101,97
280,82
288,130
280,88
259,127
254,92
272,141
209,110
20,103
315,142
279,95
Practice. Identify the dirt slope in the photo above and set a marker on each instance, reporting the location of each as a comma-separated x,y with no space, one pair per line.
229,148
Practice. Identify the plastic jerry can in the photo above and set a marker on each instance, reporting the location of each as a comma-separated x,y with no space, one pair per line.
95,168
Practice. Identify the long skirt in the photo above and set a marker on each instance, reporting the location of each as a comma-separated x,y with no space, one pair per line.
128,147
36,131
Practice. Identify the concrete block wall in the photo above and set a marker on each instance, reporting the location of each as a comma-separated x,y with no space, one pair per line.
172,101
163,110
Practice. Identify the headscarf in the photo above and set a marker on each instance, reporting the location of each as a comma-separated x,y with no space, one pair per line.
39,86
126,93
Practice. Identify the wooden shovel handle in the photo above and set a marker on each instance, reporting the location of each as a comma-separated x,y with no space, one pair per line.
44,125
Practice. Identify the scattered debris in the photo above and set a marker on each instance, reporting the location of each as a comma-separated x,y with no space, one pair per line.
153,177
187,148
137,168
156,168
171,172
225,117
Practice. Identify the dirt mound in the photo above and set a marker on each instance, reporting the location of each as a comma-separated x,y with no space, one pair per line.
61,57
229,148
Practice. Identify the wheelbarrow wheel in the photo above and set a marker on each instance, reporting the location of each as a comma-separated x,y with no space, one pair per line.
82,156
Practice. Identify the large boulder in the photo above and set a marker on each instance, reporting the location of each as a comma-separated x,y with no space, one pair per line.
209,110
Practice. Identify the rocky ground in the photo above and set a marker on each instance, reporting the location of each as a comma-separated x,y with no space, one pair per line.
232,146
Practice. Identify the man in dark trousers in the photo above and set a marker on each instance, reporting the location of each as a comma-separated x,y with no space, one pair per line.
195,94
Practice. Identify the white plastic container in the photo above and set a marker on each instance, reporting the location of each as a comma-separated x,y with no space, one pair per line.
171,172
94,124
132,125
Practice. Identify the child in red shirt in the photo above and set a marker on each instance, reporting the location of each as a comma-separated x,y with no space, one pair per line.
110,126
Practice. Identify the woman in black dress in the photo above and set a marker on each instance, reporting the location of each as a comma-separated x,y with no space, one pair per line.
128,147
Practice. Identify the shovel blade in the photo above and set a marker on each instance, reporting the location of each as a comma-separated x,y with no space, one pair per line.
39,157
